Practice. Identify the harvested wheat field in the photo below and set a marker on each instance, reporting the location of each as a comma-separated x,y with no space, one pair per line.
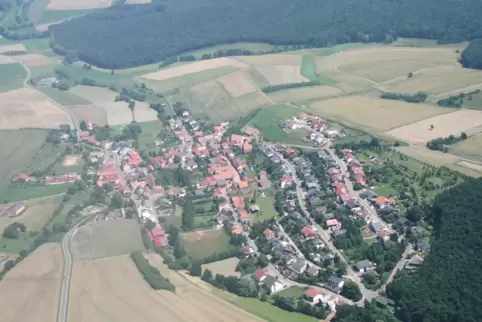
303,93
470,148
26,108
112,289
274,59
383,64
78,4
237,84
435,80
30,291
33,60
90,113
208,94
143,113
192,68
282,74
375,113
118,113
443,125
94,94
12,48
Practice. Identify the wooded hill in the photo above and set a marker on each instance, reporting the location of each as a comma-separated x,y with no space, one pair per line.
448,286
132,35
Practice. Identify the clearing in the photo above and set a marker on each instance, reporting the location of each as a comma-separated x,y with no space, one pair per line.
34,60
111,289
282,74
106,238
443,125
202,243
26,108
31,290
303,93
237,84
226,267
78,5
12,77
90,113
375,113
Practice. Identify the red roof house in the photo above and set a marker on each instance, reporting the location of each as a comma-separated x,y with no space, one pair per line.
134,158
259,275
157,236
308,232
268,233
238,202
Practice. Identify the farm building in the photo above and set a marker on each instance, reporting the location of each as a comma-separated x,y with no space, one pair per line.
16,209
157,236
22,177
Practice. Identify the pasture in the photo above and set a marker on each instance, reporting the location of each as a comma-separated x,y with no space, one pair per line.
106,238
226,267
237,84
308,70
438,126
303,93
113,287
469,149
377,114
202,243
31,290
63,97
77,5
26,108
11,77
267,211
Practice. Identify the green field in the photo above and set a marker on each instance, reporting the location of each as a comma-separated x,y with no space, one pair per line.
56,15
308,69
64,97
200,244
475,103
293,291
386,191
25,193
266,204
11,77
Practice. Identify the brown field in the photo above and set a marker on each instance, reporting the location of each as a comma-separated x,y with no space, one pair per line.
444,125
111,289
90,113
71,160
30,291
303,93
273,59
237,84
227,267
282,74
26,108
78,4
36,215
118,113
33,60
11,48
6,60
383,64
256,77
143,113
94,94
192,68
208,94
376,113
106,238
435,80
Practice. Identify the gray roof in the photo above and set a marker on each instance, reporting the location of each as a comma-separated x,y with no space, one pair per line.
334,280
383,300
312,270
298,266
363,264
376,225
270,280
352,204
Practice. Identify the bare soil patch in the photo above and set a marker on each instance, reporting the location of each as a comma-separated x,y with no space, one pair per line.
443,126
71,160
33,60
303,93
94,94
192,68
376,113
30,291
237,84
12,48
111,289
26,108
274,59
78,4
282,74
90,113
227,267
106,238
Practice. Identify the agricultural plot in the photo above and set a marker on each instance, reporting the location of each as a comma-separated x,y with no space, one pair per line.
438,126
6,60
45,26
203,243
308,70
63,97
208,94
375,113
237,84
33,60
30,291
256,77
112,289
143,113
12,77
78,5
118,113
90,113
12,48
282,74
271,59
469,149
26,108
303,93
106,238
423,154
226,267
94,94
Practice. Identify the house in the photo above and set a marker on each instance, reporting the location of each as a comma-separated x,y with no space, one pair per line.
383,301
22,177
236,230
243,184
259,276
312,270
299,266
134,158
335,283
289,259
376,226
263,180
381,201
422,245
364,266
286,181
273,284
308,232
16,209
238,202
243,215
312,295
247,251
414,263
157,236
339,233
352,205
254,208
268,233
333,224
247,148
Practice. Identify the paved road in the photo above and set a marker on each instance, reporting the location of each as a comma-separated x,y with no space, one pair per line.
64,292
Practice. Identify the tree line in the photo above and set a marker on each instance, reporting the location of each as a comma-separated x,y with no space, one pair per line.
274,88
151,274
457,100
170,29
440,144
418,97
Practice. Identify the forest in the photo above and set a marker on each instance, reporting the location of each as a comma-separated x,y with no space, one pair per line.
448,286
132,35
472,55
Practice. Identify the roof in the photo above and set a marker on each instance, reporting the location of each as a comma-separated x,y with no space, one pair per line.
243,214
376,225
334,280
21,176
382,200
237,138
311,292
238,202
157,231
258,274
244,184
308,231
332,222
235,230
15,207
270,280
287,179
268,233
363,264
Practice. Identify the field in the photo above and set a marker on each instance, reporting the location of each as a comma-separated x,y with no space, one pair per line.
237,84
94,94
57,15
304,93
271,59
255,47
208,94
375,113
11,77
106,238
12,48
33,60
77,5
266,205
63,97
45,26
203,243
443,126
111,289
282,74
226,267
30,292
469,149
26,108
435,158
118,113
308,70
89,113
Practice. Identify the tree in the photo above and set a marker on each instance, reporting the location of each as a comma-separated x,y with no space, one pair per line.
410,75
196,269
207,276
8,265
132,105
351,291
83,125
187,217
117,200
247,287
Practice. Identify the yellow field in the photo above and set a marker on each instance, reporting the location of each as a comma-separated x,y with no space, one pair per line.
30,291
375,113
303,93
443,125
111,289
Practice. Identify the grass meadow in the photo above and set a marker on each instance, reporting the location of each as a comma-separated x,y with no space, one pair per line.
11,77
200,244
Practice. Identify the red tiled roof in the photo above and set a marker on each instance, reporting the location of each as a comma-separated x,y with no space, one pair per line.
238,202
157,231
243,185
287,179
235,230
258,274
268,233
382,200
236,138
308,231
311,293
332,222
21,176
243,214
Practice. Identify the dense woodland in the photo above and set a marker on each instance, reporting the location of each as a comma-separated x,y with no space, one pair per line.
448,286
132,35
472,55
